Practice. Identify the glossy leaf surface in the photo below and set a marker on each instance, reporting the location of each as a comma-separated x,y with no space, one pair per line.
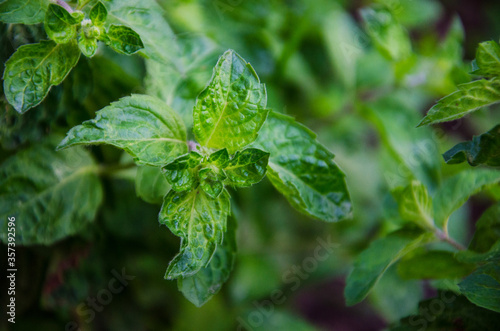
200,221
34,68
207,282
60,25
211,182
181,172
123,39
469,98
231,110
98,14
247,167
303,170
143,126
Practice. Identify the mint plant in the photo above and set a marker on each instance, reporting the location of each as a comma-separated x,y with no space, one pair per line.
480,285
413,248
178,135
483,149
474,95
234,147
33,69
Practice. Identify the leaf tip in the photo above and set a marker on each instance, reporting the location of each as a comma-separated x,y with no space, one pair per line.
21,109
424,121
351,300
61,146
65,143
168,274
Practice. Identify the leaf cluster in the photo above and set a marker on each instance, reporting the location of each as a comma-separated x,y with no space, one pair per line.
234,148
483,149
34,68
424,211
361,90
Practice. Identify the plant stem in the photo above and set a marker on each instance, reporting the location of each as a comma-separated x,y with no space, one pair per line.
65,5
444,237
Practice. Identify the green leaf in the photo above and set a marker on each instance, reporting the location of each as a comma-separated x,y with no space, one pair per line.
247,167
202,286
77,16
432,265
51,194
219,158
339,30
487,62
88,46
390,38
211,182
98,14
482,150
25,12
230,111
143,126
377,258
487,230
482,287
200,221
415,204
181,172
59,24
150,184
469,97
146,17
456,190
303,170
33,69
123,39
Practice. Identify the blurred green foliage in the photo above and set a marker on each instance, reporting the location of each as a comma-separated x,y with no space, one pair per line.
361,75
